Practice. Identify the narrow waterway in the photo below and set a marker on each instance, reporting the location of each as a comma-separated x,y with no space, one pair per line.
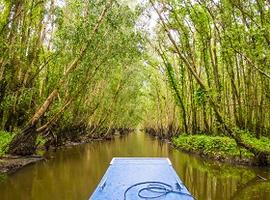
73,173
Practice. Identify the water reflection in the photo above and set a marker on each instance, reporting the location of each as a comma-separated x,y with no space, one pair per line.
73,173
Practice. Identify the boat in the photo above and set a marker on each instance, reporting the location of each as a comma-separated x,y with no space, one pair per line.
141,178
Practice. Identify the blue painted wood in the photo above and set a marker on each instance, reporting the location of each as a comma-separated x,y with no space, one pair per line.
125,172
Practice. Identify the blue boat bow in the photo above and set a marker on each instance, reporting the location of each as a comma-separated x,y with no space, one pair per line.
141,178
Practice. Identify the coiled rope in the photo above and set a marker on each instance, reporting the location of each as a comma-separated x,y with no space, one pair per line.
156,188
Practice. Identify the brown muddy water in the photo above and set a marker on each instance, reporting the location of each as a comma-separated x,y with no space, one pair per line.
73,173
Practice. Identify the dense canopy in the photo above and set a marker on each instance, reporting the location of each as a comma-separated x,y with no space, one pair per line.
88,68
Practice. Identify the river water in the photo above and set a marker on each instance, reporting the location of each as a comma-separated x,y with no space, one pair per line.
73,173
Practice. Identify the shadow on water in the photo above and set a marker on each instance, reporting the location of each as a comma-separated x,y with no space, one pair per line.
73,173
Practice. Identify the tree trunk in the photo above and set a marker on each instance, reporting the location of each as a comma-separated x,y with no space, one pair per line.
262,156
25,142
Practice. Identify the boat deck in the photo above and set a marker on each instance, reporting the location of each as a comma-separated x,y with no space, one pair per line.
140,178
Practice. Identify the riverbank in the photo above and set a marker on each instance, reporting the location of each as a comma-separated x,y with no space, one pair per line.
77,170
220,148
10,163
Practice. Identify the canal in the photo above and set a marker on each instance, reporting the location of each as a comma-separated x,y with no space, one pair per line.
73,173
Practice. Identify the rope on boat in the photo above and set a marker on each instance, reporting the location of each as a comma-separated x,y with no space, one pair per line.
156,188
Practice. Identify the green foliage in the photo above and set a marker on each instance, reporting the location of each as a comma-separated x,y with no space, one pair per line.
216,61
44,40
200,96
222,47
173,82
263,143
212,146
41,140
5,138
